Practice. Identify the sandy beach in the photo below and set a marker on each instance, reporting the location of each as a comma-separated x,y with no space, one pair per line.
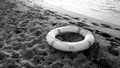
105,10
24,25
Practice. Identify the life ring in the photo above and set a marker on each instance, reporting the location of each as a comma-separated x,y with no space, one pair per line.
70,46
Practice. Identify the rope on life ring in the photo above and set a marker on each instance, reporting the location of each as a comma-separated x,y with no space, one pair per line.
70,46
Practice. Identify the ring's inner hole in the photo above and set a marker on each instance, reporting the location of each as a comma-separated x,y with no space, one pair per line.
70,37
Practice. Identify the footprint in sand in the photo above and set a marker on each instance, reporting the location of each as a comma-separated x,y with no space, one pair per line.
61,17
117,29
114,44
76,18
95,24
3,56
1,45
49,12
113,51
106,35
105,25
113,40
82,24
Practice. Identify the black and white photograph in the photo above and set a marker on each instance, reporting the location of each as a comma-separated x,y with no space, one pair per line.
59,33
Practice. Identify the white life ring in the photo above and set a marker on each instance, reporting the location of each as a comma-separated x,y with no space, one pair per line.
70,46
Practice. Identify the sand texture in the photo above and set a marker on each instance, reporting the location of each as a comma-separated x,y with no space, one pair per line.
106,10
24,26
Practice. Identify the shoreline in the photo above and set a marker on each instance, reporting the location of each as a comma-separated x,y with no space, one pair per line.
74,14
110,16
89,19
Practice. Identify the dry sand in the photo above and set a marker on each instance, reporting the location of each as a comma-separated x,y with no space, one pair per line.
23,28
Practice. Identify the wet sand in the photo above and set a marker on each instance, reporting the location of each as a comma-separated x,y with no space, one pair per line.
24,26
104,10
